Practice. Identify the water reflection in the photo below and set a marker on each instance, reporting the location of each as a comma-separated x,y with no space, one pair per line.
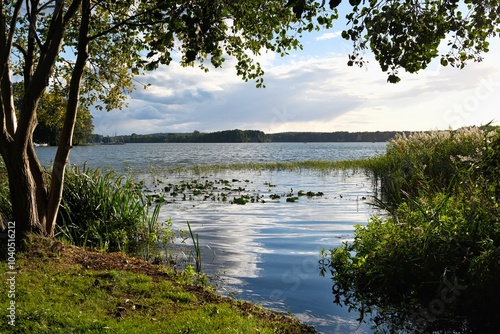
268,253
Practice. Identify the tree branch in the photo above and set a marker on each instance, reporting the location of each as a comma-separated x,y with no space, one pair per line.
129,20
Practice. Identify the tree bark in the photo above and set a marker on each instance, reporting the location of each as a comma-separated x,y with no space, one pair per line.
28,194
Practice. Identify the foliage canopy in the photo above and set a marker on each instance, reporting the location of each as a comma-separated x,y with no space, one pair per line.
409,34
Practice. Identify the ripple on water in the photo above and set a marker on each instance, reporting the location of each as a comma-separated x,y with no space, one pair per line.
268,253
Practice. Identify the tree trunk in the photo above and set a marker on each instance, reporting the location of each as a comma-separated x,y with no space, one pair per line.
66,139
34,205
28,194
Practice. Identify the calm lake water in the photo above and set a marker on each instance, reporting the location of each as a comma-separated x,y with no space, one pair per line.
266,253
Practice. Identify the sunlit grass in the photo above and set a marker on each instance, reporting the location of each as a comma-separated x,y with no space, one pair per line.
442,192
56,294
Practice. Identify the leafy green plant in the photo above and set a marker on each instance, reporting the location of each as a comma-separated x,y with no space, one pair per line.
240,200
424,160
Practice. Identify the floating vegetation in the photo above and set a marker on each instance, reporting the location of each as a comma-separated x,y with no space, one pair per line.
231,191
240,200
309,193
269,184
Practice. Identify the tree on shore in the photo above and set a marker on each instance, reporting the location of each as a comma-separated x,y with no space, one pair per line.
90,50
51,119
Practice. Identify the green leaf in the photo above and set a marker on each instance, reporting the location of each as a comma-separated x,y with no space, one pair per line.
393,78
334,3
190,56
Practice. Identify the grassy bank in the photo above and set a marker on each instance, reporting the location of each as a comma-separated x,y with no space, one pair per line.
65,289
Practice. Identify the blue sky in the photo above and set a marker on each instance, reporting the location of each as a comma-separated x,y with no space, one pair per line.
310,90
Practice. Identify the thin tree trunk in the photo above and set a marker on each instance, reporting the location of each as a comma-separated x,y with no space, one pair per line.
66,139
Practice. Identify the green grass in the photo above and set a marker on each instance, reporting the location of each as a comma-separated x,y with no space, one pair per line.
101,210
58,292
426,161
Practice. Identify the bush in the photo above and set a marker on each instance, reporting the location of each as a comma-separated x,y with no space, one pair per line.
434,261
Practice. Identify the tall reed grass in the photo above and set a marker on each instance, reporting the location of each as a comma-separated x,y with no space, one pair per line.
106,211
321,166
423,162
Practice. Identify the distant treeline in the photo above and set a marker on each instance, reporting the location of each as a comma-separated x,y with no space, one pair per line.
249,136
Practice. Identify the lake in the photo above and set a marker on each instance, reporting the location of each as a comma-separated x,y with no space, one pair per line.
266,253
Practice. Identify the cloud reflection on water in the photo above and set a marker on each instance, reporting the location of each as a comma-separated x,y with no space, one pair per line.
268,252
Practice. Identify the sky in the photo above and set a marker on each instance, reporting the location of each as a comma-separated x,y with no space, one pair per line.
310,90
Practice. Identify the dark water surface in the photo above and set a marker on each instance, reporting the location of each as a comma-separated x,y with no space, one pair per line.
141,156
266,253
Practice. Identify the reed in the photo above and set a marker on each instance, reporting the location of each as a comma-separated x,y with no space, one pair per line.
153,237
197,248
105,211
424,160
322,166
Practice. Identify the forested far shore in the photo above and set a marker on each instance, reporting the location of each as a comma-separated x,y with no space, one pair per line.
249,136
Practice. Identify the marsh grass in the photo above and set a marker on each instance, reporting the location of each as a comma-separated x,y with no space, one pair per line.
322,166
424,161
197,248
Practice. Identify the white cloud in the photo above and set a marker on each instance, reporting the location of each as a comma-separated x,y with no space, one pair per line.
308,93
328,35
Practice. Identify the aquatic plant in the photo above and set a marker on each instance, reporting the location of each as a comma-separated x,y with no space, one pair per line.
422,160
197,248
320,166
